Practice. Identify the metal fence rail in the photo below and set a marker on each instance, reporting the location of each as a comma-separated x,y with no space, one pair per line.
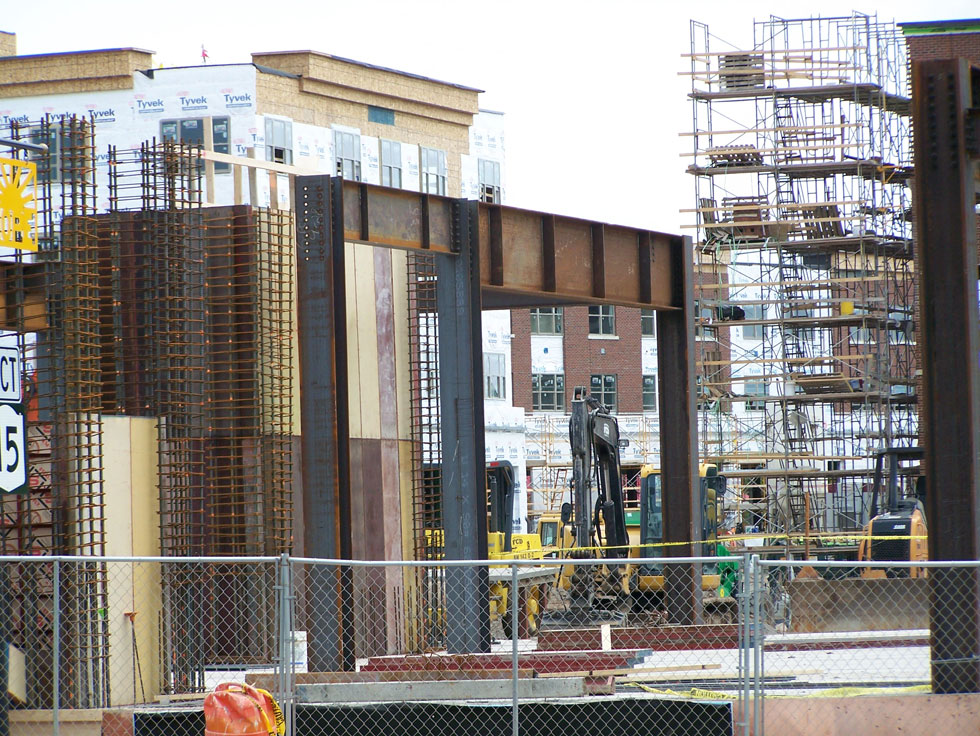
346,647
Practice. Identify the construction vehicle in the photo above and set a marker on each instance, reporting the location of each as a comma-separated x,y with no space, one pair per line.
597,594
593,527
647,580
534,581
898,533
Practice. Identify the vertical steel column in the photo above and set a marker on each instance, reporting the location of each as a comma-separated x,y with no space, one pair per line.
464,502
946,137
322,313
679,443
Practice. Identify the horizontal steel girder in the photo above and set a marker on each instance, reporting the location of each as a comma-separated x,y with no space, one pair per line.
526,258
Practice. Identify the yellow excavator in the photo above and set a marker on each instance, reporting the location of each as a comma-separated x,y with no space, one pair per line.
597,524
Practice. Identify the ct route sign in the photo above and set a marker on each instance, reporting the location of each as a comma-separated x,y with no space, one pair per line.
13,431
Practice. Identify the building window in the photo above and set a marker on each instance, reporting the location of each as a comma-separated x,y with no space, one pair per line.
433,171
861,335
68,157
756,388
602,320
603,387
391,164
191,132
279,141
650,392
648,323
548,392
546,321
754,312
489,181
381,115
347,153
494,367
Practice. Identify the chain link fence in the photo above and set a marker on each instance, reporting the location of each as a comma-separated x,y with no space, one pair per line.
735,645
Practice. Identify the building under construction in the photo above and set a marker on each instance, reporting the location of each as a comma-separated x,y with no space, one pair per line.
801,157
158,328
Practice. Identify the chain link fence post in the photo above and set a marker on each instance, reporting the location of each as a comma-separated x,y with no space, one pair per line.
744,597
56,647
758,636
514,659
284,680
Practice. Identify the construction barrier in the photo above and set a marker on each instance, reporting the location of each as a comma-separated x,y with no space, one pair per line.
175,647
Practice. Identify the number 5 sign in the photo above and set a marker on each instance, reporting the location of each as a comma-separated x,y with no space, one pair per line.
13,449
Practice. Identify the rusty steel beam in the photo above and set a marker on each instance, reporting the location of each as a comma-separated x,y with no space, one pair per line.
946,116
526,258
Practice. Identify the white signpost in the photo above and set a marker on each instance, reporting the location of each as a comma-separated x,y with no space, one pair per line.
13,430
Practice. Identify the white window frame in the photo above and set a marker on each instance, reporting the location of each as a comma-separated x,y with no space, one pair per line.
348,166
278,140
489,174
391,163
648,317
435,173
495,376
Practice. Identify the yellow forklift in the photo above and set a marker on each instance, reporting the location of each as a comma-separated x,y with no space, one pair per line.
534,580
898,532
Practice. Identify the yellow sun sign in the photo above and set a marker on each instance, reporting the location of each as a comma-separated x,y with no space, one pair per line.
18,205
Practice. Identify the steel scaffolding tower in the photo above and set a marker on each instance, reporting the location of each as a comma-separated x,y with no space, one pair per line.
801,159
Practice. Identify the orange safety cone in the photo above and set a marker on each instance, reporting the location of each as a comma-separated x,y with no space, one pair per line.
242,710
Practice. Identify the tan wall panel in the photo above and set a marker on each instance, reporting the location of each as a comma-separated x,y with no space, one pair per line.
363,344
399,279
353,373
132,524
407,510
45,74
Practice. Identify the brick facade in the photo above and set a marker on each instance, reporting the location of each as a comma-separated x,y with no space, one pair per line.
520,357
584,356
944,46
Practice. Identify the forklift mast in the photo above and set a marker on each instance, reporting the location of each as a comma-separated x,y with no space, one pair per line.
500,483
889,496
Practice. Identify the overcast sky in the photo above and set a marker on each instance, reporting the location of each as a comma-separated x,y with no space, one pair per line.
591,91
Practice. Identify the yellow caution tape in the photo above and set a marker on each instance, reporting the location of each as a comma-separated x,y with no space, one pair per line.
837,692
694,692
726,539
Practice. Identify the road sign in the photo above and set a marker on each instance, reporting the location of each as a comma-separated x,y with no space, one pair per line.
18,204
10,375
13,449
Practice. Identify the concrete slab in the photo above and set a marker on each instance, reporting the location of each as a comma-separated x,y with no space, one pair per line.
391,692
